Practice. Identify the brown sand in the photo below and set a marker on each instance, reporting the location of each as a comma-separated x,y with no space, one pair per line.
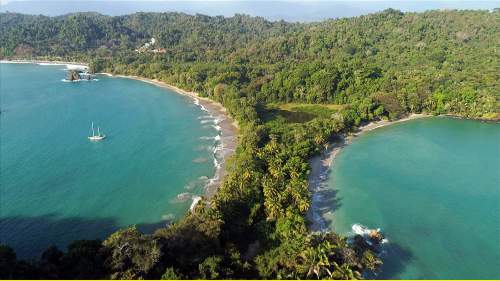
52,62
323,199
228,128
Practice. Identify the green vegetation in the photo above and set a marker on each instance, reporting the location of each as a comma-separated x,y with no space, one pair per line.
291,87
297,112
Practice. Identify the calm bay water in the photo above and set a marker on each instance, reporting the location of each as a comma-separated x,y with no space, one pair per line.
57,186
433,186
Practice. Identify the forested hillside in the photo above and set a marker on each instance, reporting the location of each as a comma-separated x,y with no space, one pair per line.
435,61
379,66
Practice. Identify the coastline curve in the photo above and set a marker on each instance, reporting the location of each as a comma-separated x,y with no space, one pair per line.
321,199
227,127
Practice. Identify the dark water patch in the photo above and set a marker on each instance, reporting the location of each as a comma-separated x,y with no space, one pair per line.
50,171
40,232
326,201
395,261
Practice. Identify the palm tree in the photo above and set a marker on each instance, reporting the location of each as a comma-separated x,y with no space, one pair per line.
344,272
317,261
272,199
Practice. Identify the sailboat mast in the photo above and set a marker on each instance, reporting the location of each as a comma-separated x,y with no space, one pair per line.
93,134
98,131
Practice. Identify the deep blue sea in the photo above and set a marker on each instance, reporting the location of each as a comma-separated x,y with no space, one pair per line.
57,186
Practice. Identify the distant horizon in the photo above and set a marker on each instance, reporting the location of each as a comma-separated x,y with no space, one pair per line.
288,10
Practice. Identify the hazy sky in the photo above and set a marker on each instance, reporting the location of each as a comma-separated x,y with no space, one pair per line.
3,2
6,1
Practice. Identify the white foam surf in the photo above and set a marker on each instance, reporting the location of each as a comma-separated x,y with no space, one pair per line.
190,186
79,80
168,217
206,117
183,196
365,232
69,66
196,199
105,74
217,145
9,61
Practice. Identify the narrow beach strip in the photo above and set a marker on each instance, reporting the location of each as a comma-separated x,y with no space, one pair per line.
321,196
227,127
68,64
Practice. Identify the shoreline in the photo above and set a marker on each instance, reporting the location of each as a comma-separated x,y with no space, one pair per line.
68,64
321,209
383,123
226,126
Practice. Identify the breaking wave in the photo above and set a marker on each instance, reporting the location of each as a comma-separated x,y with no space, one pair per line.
79,80
200,160
182,197
168,217
205,121
213,122
206,117
196,199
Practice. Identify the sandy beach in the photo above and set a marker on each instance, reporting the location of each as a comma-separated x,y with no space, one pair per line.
68,64
323,199
382,123
227,127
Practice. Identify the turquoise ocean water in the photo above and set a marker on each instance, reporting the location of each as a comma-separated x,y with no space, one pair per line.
433,187
57,186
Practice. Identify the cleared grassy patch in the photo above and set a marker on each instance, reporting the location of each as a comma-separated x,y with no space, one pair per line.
298,112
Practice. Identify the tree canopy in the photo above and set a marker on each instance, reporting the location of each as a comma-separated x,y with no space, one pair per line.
339,73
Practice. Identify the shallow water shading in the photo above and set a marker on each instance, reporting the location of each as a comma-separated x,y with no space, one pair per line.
56,186
433,186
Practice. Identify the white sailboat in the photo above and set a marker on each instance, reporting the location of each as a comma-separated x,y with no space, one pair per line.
97,137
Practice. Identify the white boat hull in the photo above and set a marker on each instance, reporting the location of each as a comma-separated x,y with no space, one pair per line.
96,138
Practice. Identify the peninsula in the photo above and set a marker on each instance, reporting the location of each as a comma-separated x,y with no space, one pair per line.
293,89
